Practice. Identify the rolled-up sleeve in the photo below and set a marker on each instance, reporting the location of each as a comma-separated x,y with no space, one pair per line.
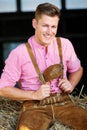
11,71
73,62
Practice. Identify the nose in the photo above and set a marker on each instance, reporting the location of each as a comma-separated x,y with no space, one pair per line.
49,30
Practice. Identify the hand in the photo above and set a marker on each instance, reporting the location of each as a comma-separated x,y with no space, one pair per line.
65,85
42,92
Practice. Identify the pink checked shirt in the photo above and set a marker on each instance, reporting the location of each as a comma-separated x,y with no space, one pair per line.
19,66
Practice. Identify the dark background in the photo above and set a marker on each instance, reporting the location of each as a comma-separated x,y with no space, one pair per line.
17,27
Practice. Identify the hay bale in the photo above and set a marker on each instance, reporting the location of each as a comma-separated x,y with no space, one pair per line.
9,112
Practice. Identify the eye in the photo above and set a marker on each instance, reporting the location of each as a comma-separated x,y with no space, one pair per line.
54,27
45,25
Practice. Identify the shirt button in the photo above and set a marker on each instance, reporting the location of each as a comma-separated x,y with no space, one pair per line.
52,86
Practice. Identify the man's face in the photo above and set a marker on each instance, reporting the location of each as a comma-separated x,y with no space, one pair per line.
45,29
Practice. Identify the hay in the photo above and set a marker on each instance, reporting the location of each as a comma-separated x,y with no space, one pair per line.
10,110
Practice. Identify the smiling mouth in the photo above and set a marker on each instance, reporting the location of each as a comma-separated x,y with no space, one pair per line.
47,37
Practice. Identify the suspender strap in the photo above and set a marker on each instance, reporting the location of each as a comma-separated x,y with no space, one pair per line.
35,63
59,48
60,53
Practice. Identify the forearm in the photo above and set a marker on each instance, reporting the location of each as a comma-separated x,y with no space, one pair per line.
16,93
75,77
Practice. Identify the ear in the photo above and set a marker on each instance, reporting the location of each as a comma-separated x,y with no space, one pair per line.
34,23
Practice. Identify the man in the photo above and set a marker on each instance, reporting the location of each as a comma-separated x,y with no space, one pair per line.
46,100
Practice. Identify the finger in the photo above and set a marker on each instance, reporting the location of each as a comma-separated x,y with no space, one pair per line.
61,84
61,81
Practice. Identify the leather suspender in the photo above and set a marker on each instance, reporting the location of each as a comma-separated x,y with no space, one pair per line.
35,63
60,53
59,48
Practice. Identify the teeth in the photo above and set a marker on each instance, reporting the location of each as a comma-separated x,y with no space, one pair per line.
47,36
